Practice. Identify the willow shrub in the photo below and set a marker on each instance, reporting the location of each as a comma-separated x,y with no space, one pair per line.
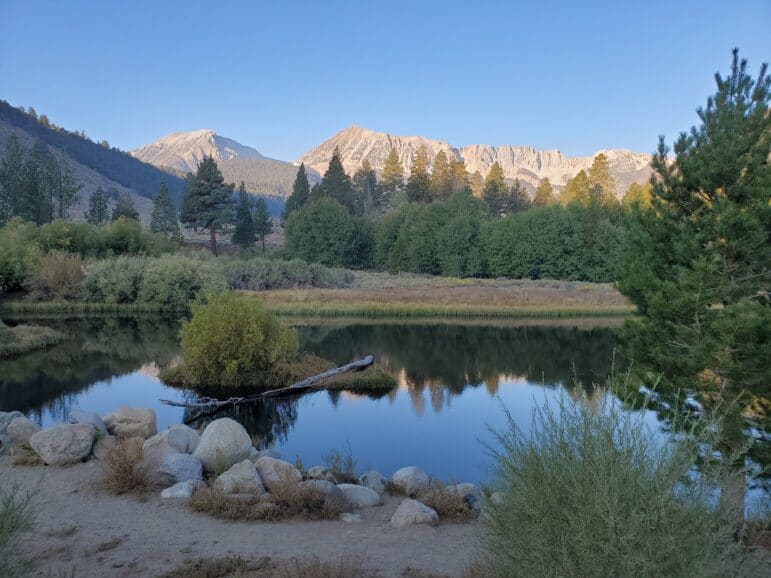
232,341
594,492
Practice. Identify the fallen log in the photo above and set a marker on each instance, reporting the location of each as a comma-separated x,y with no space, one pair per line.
209,405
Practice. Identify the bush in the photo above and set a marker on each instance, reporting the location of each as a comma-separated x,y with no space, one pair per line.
18,252
232,340
259,274
124,470
594,492
56,275
17,513
114,281
172,282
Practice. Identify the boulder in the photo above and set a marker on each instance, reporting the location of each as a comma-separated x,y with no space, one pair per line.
174,468
269,453
223,443
103,446
6,417
242,478
20,430
374,481
177,439
88,418
63,444
321,473
359,496
182,490
412,512
410,480
126,422
5,443
464,490
328,489
276,472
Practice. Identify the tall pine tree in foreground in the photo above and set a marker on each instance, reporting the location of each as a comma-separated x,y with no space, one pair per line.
263,224
417,184
244,233
164,216
98,208
365,189
301,193
208,202
697,265
544,195
336,183
495,191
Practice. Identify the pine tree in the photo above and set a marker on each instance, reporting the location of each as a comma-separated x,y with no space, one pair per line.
544,195
495,190
98,208
124,207
476,183
637,195
208,202
301,193
601,183
245,231
336,184
66,189
417,184
163,219
577,190
11,177
440,186
263,224
518,199
365,189
697,265
393,177
459,180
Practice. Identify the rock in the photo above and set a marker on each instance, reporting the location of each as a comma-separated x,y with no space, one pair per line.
88,418
330,490
374,481
5,443
359,496
127,422
275,472
103,446
464,490
223,443
269,453
350,518
182,490
175,468
242,478
6,417
321,473
20,430
410,480
63,444
177,439
412,512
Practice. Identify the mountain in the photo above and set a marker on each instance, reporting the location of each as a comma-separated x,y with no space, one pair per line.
182,151
92,164
518,162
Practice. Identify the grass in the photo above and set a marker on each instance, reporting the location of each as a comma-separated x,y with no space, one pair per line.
21,339
123,469
371,381
17,513
80,307
447,504
342,465
283,503
26,456
345,567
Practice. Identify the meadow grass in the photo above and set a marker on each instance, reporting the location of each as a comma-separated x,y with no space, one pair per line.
24,338
34,307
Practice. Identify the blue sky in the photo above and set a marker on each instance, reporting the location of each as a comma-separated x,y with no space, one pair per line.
284,76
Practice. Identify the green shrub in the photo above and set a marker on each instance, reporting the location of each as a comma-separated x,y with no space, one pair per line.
56,275
114,281
232,340
594,492
172,282
17,513
18,252
259,274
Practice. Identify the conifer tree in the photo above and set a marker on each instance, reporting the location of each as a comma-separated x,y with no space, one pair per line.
637,195
697,264
336,184
476,183
301,193
393,177
544,195
124,207
11,176
417,184
440,186
577,190
245,231
495,190
518,199
458,176
163,219
365,189
98,208
601,183
263,224
65,189
208,202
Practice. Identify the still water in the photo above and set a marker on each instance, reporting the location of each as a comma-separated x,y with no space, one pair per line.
454,382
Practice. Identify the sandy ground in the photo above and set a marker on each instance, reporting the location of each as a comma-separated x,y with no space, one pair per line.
81,531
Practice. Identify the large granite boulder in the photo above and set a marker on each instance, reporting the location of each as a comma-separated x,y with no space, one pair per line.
126,422
410,480
88,418
223,443
174,468
103,446
63,444
20,430
321,473
412,512
241,478
329,490
374,481
359,496
182,490
275,472
177,439
6,417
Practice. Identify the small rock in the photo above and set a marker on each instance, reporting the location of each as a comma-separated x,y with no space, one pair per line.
465,489
103,446
276,472
350,518
177,439
175,468
411,480
241,478
223,443
182,490
127,422
88,418
6,417
412,512
330,490
374,481
269,453
20,430
321,473
63,444
359,496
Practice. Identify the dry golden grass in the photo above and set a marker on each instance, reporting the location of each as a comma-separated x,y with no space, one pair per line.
123,469
26,456
346,567
447,504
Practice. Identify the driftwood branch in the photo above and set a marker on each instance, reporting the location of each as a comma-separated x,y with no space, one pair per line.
209,405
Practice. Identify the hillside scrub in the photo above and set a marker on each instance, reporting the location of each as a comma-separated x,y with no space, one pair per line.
57,275
259,274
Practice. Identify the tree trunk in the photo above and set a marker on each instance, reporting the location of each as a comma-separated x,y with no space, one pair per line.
263,243
213,240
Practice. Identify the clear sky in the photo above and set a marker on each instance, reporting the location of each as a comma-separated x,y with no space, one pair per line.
282,76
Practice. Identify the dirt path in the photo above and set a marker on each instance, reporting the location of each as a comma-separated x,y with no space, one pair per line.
83,532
